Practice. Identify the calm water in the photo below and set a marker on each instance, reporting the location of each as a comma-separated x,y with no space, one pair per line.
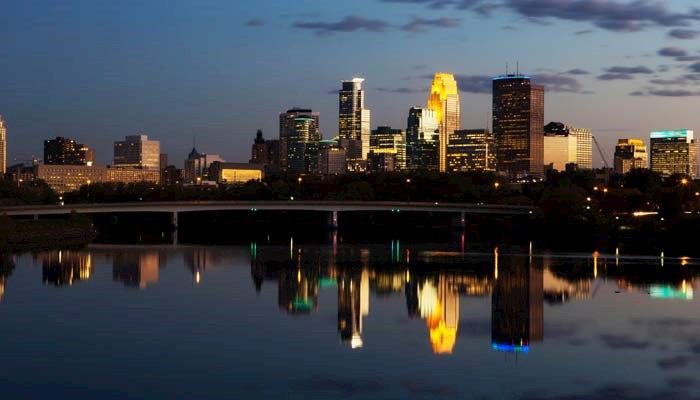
387,321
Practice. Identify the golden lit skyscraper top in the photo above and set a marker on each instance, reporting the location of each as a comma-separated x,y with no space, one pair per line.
3,146
444,99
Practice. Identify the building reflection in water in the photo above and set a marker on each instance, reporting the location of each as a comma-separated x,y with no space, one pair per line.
517,305
353,304
64,267
7,266
136,269
438,304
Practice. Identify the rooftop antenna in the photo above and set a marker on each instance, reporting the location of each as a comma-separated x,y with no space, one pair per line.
506,67
517,67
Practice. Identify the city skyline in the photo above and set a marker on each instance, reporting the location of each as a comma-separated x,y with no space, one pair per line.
634,50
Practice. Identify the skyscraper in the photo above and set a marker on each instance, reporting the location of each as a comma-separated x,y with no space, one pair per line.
582,155
299,141
3,146
630,154
518,125
385,140
137,151
560,146
674,152
265,152
354,119
444,100
66,151
422,140
471,150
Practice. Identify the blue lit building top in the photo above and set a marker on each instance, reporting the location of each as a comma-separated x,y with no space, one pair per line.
681,133
511,76
510,348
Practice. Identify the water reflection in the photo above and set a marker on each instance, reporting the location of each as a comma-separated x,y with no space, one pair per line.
433,282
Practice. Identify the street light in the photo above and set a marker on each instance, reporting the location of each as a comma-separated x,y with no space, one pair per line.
408,190
496,185
684,181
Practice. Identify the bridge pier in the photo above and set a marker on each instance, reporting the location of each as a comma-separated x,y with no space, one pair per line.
174,222
333,220
36,217
463,220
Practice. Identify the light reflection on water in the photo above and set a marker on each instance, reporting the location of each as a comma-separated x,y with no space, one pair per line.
393,320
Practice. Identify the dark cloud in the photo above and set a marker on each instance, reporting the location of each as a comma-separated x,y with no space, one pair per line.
400,90
577,71
672,52
685,34
558,83
422,24
607,14
618,391
614,77
673,93
637,93
438,4
583,32
255,22
621,342
350,23
673,362
695,68
629,70
474,83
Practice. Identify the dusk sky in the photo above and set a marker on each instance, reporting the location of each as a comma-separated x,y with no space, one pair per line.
217,70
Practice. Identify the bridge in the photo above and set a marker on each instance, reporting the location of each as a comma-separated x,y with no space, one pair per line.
327,206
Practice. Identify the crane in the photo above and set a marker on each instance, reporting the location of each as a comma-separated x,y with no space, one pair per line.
600,151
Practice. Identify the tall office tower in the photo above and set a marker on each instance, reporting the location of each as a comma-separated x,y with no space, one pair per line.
197,166
422,140
444,100
3,146
630,154
353,119
332,159
137,151
385,140
65,151
299,139
674,152
560,146
471,150
582,156
266,152
518,125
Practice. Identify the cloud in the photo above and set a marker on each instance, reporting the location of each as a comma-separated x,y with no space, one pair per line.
614,77
474,83
672,52
629,70
607,14
685,34
620,342
673,362
350,23
558,83
673,93
695,68
577,71
583,32
400,90
438,4
637,93
422,24
255,22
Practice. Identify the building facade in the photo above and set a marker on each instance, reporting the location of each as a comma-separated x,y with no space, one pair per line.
137,151
471,150
332,159
518,125
197,166
119,174
67,178
385,140
583,154
299,140
265,152
353,119
66,151
674,152
444,100
630,154
422,140
232,173
3,146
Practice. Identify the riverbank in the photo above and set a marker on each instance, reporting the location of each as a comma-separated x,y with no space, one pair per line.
39,234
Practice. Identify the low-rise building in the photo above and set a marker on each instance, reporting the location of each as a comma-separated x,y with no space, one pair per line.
67,178
231,173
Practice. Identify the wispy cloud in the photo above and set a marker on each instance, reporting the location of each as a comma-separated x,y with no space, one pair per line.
255,22
422,24
685,34
350,23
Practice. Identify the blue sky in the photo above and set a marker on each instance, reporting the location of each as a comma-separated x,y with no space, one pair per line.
217,70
